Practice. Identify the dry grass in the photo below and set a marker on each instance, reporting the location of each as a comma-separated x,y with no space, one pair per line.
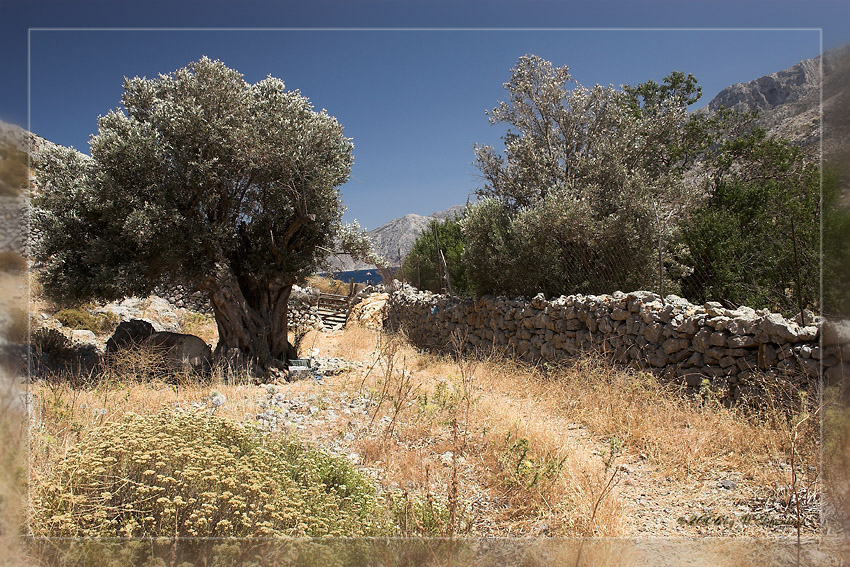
13,426
332,285
551,439
470,446
13,471
353,343
468,430
685,437
64,414
837,462
199,324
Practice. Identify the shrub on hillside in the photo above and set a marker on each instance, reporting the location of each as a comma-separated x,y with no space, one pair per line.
193,475
51,342
80,318
423,266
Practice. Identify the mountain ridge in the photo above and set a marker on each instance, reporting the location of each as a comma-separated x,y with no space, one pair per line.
789,101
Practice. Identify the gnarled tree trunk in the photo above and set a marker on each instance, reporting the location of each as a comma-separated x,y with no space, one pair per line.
251,320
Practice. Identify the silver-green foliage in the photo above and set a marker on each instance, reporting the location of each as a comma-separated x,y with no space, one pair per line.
586,180
205,181
199,169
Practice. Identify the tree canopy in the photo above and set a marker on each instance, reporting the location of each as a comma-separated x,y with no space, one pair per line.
583,185
202,180
602,189
423,264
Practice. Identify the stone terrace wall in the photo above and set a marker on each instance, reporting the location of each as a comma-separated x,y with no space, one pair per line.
670,336
302,303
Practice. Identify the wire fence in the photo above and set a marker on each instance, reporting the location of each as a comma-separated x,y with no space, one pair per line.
776,267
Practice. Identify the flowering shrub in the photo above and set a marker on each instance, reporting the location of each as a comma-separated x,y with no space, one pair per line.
195,475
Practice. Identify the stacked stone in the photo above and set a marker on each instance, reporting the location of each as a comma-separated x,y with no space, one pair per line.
302,304
197,301
305,317
671,336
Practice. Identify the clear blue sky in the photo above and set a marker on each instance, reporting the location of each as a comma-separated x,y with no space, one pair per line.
413,101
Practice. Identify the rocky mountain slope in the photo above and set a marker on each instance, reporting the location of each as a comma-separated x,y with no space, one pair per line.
394,240
789,101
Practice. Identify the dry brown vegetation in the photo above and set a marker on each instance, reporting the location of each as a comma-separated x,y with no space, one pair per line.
332,285
200,325
487,446
13,424
551,442
13,471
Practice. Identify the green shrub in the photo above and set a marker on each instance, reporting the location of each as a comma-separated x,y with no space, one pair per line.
427,516
81,318
422,266
190,474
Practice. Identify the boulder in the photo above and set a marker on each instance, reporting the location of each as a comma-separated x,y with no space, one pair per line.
675,345
182,352
688,326
744,325
129,333
83,336
778,329
701,339
370,311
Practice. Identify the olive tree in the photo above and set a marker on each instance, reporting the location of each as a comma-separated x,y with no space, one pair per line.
586,179
205,181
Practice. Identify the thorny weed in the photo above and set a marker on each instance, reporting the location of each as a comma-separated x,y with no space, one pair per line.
792,408
397,385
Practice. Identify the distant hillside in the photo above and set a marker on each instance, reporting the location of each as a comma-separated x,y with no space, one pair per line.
788,101
15,144
394,239
454,211
19,138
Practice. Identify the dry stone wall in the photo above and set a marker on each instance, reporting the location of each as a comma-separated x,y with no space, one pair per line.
302,310
670,336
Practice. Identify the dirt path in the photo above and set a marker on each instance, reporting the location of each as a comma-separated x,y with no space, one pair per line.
340,413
